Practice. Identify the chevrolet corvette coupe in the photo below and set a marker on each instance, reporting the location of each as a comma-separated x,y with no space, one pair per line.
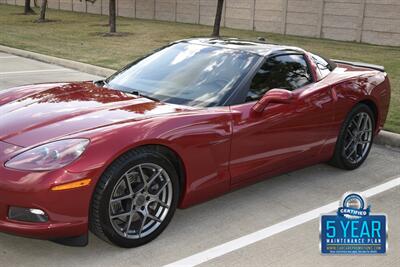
187,123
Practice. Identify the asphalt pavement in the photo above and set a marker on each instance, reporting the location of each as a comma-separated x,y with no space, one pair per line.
230,217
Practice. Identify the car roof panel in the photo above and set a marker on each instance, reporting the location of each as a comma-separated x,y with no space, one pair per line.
256,47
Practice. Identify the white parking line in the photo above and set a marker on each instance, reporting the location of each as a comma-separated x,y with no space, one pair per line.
249,239
31,71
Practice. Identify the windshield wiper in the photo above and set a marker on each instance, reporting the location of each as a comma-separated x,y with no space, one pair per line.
138,93
100,83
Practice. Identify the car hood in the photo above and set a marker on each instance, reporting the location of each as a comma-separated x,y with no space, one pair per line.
60,110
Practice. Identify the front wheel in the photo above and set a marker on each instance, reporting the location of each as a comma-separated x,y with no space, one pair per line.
355,138
135,199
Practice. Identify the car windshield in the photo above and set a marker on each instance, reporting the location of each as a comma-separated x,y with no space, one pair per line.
186,74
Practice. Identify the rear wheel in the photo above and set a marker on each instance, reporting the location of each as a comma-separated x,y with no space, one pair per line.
135,199
355,138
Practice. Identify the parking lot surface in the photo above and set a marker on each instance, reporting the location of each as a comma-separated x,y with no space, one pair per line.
228,217
15,71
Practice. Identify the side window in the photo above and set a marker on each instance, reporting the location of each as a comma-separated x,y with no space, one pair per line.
322,65
286,72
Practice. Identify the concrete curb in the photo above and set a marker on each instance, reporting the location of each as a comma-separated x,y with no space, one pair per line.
83,67
384,137
388,138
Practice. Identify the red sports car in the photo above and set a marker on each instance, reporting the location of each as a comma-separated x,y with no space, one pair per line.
189,122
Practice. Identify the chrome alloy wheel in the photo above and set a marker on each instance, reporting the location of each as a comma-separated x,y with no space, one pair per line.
358,138
140,201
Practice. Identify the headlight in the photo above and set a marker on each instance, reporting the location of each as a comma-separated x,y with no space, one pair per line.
50,156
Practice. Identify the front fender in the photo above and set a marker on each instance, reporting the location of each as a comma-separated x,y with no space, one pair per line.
201,139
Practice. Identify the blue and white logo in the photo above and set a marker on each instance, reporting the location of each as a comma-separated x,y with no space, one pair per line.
353,229
353,206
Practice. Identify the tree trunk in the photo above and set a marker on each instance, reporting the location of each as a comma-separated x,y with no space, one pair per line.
27,8
43,7
112,16
218,17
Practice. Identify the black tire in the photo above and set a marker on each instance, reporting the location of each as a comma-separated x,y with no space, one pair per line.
100,221
339,158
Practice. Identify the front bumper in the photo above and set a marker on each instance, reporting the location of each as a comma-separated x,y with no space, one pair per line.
67,210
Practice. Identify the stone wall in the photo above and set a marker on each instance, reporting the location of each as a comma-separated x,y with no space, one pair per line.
370,21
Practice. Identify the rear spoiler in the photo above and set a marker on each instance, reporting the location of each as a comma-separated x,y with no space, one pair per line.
361,64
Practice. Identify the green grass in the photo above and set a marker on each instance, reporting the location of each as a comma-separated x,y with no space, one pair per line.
76,36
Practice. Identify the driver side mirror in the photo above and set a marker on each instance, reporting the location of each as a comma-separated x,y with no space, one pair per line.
277,96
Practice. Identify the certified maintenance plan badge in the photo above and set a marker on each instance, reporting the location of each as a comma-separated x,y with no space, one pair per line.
353,229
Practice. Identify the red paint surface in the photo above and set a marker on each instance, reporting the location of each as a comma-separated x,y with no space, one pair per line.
221,148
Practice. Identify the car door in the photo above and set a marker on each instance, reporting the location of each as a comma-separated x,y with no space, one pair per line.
282,135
